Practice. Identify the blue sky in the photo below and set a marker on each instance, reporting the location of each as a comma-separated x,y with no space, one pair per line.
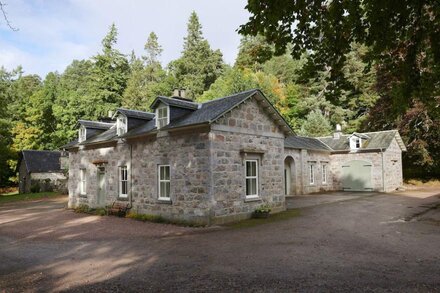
53,33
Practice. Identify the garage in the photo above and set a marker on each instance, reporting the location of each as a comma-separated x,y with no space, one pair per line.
356,176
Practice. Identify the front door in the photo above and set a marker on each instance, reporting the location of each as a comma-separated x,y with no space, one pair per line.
101,187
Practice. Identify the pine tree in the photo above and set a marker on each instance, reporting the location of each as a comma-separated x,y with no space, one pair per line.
199,66
315,125
253,52
147,78
110,74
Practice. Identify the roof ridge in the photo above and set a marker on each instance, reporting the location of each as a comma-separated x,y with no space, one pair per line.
180,100
83,120
125,109
236,94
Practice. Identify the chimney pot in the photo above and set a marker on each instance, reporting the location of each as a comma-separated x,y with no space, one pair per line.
337,133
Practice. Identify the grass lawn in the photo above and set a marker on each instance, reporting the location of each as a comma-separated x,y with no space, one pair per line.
272,218
11,197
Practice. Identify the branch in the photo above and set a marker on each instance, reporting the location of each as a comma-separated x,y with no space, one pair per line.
5,16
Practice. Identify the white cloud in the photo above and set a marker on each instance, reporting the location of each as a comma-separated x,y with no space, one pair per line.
53,33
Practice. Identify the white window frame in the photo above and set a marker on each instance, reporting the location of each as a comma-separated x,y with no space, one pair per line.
163,180
123,181
354,141
121,125
82,133
324,174
312,174
166,118
82,181
256,195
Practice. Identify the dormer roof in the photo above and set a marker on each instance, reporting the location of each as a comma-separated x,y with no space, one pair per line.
360,135
95,124
176,102
135,114
370,140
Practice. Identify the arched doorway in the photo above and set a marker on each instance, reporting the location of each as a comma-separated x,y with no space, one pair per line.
289,176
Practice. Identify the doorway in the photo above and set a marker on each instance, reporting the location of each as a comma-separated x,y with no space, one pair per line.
101,187
289,177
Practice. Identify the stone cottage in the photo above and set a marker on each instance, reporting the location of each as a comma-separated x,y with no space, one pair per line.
41,171
217,161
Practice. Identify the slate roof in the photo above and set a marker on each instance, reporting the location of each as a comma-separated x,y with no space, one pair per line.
143,129
136,114
95,124
174,102
105,136
203,113
376,140
211,110
305,143
41,161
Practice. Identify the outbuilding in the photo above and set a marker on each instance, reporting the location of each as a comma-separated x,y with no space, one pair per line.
41,171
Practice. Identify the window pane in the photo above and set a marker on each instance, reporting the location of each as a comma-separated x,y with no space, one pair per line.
251,168
248,186
161,173
163,189
167,189
167,173
124,187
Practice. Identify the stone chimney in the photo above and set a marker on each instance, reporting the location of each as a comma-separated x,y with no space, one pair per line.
180,94
338,132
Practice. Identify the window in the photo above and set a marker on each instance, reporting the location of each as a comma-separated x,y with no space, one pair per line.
123,181
82,134
82,180
324,174
162,117
121,125
355,142
251,178
164,183
312,174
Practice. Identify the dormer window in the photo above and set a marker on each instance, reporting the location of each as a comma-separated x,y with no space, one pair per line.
355,142
121,125
162,116
82,136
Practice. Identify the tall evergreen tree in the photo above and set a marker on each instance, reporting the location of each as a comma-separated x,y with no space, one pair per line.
199,66
147,78
315,125
110,74
253,52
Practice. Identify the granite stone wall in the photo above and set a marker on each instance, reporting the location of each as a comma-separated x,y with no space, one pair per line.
301,175
245,133
375,158
393,167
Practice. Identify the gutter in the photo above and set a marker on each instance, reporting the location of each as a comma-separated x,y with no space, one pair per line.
383,172
131,177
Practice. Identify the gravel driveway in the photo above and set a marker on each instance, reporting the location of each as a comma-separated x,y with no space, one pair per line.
363,244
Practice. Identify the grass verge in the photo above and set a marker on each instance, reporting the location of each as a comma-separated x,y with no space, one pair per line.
26,196
271,219
160,219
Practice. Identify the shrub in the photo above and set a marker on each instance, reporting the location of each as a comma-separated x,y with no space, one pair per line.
35,188
263,209
83,208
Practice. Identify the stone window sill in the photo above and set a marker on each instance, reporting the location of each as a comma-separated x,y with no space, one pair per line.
122,198
164,201
83,195
252,199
